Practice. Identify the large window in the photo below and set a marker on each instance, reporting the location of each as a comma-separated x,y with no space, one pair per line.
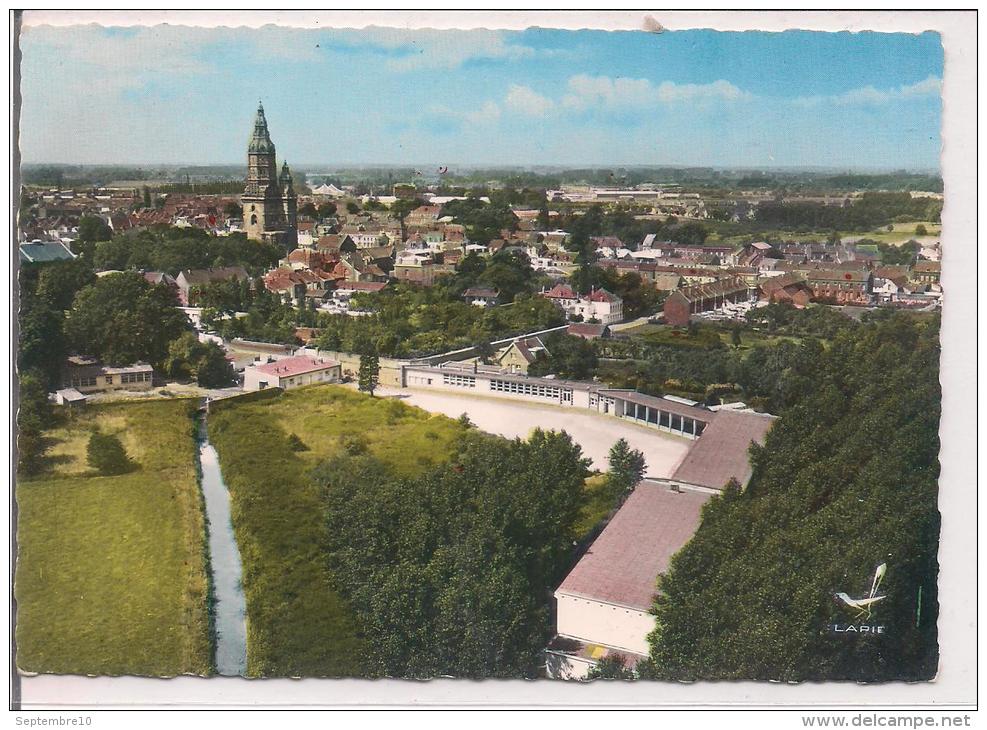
459,381
536,390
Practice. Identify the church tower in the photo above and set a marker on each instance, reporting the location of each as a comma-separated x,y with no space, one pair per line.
289,201
264,199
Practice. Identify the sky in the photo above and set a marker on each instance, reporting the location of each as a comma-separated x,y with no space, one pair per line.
181,95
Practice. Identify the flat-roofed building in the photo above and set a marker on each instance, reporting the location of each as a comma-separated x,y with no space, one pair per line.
89,375
603,605
292,372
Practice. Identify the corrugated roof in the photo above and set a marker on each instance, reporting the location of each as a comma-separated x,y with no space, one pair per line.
624,562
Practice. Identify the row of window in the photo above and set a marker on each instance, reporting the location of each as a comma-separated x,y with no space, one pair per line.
533,389
134,377
125,378
460,381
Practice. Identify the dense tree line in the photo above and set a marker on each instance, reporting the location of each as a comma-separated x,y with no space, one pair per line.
451,573
846,481
171,249
866,213
700,365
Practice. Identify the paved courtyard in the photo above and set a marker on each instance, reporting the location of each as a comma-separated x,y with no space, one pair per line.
595,433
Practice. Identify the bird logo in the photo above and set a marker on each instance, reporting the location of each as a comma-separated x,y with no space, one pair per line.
865,606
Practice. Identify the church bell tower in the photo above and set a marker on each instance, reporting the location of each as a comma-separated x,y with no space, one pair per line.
269,201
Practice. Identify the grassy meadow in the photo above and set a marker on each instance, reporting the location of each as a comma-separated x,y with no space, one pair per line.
111,573
297,624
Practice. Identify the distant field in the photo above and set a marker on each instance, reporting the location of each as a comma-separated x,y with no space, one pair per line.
297,624
111,573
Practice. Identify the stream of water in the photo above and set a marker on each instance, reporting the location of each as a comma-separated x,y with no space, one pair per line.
224,564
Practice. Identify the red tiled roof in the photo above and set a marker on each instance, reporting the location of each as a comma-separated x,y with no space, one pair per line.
720,454
624,562
601,295
561,291
297,365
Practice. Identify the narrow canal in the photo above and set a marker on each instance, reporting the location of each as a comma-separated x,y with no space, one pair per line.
229,609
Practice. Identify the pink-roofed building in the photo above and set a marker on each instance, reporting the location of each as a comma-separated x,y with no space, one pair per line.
603,605
292,372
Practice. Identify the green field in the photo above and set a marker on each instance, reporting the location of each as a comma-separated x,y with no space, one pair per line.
598,504
111,572
297,624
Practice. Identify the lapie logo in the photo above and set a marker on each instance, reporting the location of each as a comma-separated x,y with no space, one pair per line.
863,607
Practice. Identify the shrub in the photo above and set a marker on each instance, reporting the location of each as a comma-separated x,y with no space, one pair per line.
295,443
106,454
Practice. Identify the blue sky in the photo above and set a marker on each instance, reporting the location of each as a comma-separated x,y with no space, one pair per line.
172,94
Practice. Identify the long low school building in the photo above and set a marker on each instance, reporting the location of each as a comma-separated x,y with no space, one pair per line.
675,416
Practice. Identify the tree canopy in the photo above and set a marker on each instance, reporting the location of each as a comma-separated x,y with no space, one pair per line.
452,572
121,318
847,480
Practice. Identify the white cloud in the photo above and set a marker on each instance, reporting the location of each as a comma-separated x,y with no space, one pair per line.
603,92
527,101
870,96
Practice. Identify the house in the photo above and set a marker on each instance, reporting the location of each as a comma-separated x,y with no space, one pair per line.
518,356
191,281
790,287
603,605
292,372
926,272
42,252
562,295
88,375
481,296
841,286
599,305
682,304
159,277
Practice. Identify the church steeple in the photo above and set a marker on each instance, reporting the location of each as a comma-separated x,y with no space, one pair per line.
260,140
286,179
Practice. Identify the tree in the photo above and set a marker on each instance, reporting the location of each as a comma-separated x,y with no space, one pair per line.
627,467
42,342
308,209
352,207
369,373
234,210
106,454
833,494
93,228
147,197
33,417
921,230
611,667
451,571
326,210
204,361
122,319
735,338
